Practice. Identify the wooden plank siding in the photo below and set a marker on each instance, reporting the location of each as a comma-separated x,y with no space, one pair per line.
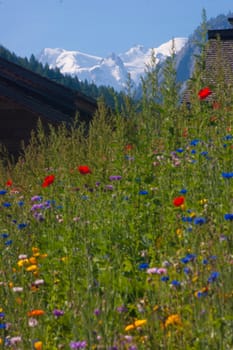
218,61
26,96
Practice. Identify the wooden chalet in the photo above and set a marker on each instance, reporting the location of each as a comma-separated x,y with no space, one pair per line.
26,96
219,54
218,61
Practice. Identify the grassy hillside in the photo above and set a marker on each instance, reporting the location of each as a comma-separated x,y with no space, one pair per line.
123,239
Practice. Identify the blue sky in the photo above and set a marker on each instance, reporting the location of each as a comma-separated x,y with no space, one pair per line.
99,27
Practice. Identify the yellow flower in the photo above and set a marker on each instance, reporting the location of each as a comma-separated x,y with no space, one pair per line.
156,308
64,259
35,251
195,278
179,232
32,268
136,324
173,320
203,201
22,262
42,256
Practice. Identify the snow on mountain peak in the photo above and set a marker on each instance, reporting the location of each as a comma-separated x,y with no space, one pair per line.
112,70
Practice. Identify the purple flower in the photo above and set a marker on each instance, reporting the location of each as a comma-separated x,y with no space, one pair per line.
36,198
78,344
57,312
121,309
97,312
115,178
37,206
109,187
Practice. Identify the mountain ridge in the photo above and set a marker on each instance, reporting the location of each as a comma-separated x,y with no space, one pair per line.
112,70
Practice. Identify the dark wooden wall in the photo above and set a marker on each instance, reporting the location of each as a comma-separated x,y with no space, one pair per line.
16,124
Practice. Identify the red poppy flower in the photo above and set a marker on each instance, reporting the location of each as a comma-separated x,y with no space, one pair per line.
204,93
178,201
48,180
128,147
84,169
9,183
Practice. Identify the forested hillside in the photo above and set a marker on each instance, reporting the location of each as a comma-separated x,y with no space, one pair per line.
109,94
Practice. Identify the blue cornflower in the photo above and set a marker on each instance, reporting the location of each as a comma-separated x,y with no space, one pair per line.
183,191
175,283
204,153
21,226
205,261
188,257
199,221
6,204
3,192
213,276
193,151
20,203
143,266
187,270
228,216
179,150
228,137
9,242
164,278
194,142
187,219
227,175
2,314
4,235
143,192
2,325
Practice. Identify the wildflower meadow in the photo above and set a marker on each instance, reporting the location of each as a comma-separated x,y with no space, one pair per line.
121,238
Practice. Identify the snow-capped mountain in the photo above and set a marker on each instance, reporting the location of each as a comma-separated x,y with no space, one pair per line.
112,70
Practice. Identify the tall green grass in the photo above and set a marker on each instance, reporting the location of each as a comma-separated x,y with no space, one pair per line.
107,260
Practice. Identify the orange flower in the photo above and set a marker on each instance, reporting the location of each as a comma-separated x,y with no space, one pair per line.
136,324
128,147
174,320
84,169
36,312
48,180
38,345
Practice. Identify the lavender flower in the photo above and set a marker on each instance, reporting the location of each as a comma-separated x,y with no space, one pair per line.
58,313
78,344
115,178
